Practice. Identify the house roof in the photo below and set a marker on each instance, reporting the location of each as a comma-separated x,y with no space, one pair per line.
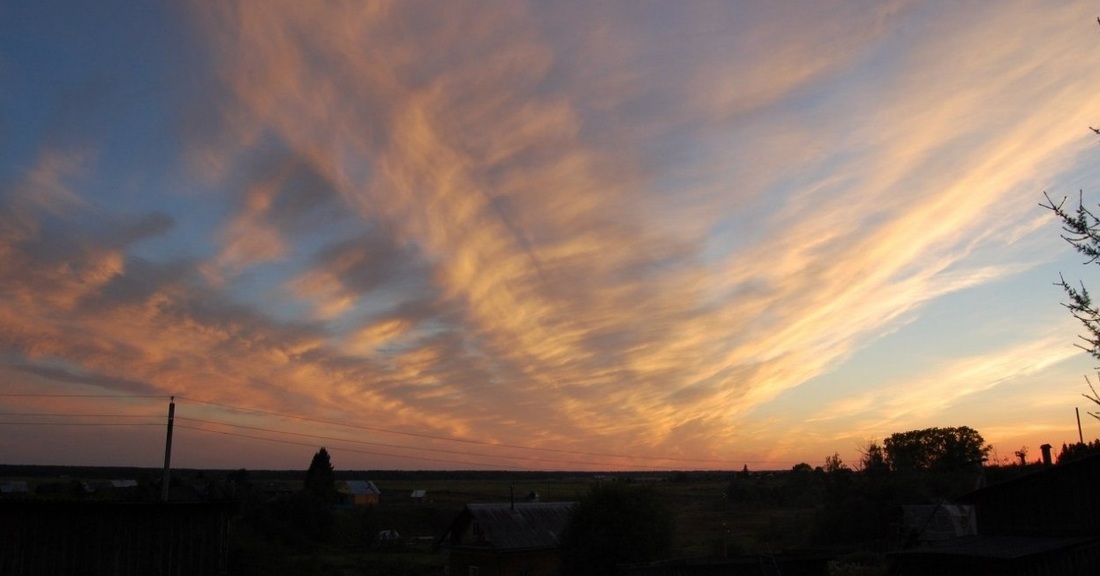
361,488
1084,467
519,526
13,487
1061,500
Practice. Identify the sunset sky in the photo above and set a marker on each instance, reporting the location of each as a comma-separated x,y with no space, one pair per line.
538,235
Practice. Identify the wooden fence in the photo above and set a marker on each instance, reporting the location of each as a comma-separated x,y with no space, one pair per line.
59,538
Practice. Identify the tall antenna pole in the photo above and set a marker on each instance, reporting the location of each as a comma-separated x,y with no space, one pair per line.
1080,435
168,451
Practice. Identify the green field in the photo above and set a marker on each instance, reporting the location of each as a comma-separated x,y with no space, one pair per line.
706,522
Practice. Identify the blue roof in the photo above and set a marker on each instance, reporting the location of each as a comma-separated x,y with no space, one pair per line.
361,487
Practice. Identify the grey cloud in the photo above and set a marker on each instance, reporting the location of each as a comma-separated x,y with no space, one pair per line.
370,260
303,199
98,380
145,226
141,280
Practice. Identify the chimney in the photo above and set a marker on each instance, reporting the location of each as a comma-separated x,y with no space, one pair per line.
1046,454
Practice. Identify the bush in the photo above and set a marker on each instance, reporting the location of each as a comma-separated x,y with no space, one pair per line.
613,525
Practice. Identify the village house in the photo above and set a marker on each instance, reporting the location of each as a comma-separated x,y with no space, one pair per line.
360,493
1046,523
504,539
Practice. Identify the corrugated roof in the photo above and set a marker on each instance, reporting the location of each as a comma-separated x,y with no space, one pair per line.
13,487
361,487
527,525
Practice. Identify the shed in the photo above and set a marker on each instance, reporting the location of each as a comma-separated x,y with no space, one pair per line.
388,539
360,492
1062,500
505,538
14,488
1042,524
935,522
116,538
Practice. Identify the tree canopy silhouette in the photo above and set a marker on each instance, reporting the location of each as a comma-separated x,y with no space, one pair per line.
616,524
935,449
1081,229
320,480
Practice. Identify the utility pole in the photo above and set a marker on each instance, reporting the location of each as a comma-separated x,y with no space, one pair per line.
168,451
1080,435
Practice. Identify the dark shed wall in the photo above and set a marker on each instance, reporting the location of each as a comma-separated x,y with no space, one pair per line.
116,539
1063,500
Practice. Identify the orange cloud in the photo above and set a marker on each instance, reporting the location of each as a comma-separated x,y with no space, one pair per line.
563,226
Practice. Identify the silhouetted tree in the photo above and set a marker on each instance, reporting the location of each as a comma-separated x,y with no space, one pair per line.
834,463
1078,450
935,449
320,480
616,524
743,489
872,461
1081,229
238,484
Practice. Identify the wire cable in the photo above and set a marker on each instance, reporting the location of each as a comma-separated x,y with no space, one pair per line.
368,452
82,424
398,446
22,395
241,409
461,440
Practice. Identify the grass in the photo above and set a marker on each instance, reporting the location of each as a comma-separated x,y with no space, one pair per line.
707,524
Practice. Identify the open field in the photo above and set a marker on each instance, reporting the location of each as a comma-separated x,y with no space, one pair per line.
707,523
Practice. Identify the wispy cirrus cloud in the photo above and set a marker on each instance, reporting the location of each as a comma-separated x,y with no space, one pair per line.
552,240
624,226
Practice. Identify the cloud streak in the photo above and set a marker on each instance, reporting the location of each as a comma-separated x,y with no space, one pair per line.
564,226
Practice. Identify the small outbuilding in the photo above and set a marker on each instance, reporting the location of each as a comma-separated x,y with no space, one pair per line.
14,488
360,492
388,540
1046,523
506,538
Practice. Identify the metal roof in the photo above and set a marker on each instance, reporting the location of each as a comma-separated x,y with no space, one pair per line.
361,487
522,526
13,487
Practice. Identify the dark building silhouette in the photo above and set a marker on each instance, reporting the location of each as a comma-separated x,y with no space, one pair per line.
1046,523
63,537
505,538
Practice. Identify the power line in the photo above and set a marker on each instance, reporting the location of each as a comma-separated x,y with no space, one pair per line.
373,429
55,423
385,445
60,415
462,440
284,432
368,452
21,395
